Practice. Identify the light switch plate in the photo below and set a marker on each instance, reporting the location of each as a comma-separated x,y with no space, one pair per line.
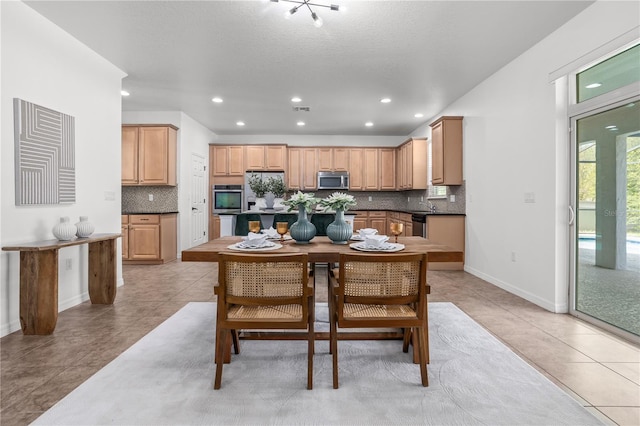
452,198
150,197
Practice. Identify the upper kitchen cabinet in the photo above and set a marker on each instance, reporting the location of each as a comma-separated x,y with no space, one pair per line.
149,154
446,151
227,160
371,169
265,157
387,169
333,159
411,158
302,174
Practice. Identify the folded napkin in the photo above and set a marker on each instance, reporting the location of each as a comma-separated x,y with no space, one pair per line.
375,241
367,231
271,233
254,240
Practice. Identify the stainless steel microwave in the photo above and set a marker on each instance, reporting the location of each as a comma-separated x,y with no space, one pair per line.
333,180
227,197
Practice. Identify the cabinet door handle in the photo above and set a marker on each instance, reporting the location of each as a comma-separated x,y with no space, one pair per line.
144,219
572,215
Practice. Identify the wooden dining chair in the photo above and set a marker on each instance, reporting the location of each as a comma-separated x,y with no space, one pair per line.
263,292
380,291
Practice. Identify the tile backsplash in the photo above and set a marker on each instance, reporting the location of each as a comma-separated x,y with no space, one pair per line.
135,199
407,200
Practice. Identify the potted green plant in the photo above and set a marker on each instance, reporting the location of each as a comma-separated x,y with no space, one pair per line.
259,188
339,231
302,231
278,188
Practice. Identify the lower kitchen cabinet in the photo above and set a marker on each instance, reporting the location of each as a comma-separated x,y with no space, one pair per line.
447,230
151,238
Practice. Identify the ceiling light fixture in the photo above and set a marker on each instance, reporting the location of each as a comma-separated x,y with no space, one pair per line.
124,93
240,123
385,100
296,99
418,115
217,100
317,21
300,123
593,85
368,124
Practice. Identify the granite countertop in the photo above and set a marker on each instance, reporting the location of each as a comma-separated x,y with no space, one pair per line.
352,212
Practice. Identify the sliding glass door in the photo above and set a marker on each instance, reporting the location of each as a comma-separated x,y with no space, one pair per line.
605,285
607,241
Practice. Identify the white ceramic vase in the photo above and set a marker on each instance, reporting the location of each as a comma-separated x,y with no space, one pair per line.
65,230
261,203
85,228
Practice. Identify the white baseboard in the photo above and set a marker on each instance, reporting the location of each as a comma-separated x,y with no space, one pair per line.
546,304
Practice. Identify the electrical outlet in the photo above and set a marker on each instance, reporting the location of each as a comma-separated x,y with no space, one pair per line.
513,256
529,197
68,264
370,198
421,198
109,196
150,197
452,198
408,199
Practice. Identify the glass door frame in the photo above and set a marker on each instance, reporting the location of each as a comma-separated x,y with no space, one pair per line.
594,106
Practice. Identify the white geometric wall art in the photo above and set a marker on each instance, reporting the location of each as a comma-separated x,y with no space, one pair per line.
44,154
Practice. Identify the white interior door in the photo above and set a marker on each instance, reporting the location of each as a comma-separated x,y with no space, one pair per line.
198,200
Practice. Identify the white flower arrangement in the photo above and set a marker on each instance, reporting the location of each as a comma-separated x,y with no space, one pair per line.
308,200
338,201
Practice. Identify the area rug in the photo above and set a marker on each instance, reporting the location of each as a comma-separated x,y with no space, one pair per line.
167,379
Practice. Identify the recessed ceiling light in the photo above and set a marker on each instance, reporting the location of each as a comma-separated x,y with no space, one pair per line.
300,123
613,129
368,123
385,100
593,85
240,123
610,127
217,100
124,93
418,115
296,99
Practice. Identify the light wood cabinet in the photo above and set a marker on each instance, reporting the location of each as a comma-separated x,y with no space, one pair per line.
309,168
265,157
360,221
149,154
370,169
447,230
446,151
302,168
387,169
378,220
125,236
356,169
412,164
333,159
227,160
151,238
216,227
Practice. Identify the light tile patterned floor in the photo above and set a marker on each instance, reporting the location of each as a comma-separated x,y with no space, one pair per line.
599,370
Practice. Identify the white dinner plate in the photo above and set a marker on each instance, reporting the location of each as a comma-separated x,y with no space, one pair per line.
270,245
286,237
387,247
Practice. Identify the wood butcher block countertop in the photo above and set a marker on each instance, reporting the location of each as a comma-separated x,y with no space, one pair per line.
321,249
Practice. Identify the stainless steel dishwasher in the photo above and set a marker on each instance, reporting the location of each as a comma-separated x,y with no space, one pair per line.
419,221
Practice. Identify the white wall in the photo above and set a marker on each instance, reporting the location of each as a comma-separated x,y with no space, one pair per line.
192,138
511,146
44,65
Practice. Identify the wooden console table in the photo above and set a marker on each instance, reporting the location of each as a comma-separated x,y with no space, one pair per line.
39,278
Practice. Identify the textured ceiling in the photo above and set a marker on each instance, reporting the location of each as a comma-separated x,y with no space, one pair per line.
422,54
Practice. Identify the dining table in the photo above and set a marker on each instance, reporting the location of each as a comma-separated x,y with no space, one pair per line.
320,250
